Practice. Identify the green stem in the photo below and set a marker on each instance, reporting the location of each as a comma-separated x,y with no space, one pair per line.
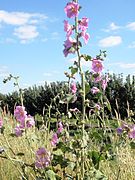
83,95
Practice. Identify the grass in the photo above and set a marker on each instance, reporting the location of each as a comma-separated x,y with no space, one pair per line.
22,149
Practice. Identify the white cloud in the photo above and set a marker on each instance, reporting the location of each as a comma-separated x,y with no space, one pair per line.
19,18
26,33
112,27
110,41
123,65
127,65
131,26
132,45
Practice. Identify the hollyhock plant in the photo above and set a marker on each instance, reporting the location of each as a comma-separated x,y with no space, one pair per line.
43,158
83,24
131,133
68,28
95,90
1,122
60,127
18,130
69,46
20,113
72,9
85,36
30,121
97,65
73,87
54,140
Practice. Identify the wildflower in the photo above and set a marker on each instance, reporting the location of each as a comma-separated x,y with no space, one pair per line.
85,36
18,130
70,46
60,127
83,24
43,158
95,90
68,28
20,113
71,9
104,82
54,140
73,87
1,122
119,130
97,66
131,133
29,121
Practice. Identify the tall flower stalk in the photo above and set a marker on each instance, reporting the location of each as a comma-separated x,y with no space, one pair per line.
72,10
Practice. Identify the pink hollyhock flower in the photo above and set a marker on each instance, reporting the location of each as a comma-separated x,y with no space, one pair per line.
83,24
72,9
85,36
104,84
68,28
69,45
97,66
131,133
43,158
96,77
60,127
30,121
1,122
73,87
18,130
54,140
95,90
20,113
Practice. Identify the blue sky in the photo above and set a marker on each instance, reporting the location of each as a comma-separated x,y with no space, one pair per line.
31,38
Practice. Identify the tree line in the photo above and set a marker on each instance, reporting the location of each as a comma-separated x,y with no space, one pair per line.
120,93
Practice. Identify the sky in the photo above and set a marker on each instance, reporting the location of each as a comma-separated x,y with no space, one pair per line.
32,37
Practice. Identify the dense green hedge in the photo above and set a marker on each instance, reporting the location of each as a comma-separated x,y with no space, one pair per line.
120,92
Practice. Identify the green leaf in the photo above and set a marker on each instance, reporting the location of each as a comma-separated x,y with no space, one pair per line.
73,70
132,144
87,57
58,152
51,175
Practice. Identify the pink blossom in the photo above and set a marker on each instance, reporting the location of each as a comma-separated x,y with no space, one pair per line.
54,140
71,9
1,122
20,113
95,90
60,127
97,66
83,24
73,87
18,130
104,82
30,121
70,45
85,36
131,133
68,28
43,158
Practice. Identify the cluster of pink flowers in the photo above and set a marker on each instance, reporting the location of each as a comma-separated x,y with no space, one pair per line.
55,138
129,129
24,120
1,122
73,88
43,158
70,45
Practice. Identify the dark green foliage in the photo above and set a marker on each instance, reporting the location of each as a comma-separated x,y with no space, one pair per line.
120,93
